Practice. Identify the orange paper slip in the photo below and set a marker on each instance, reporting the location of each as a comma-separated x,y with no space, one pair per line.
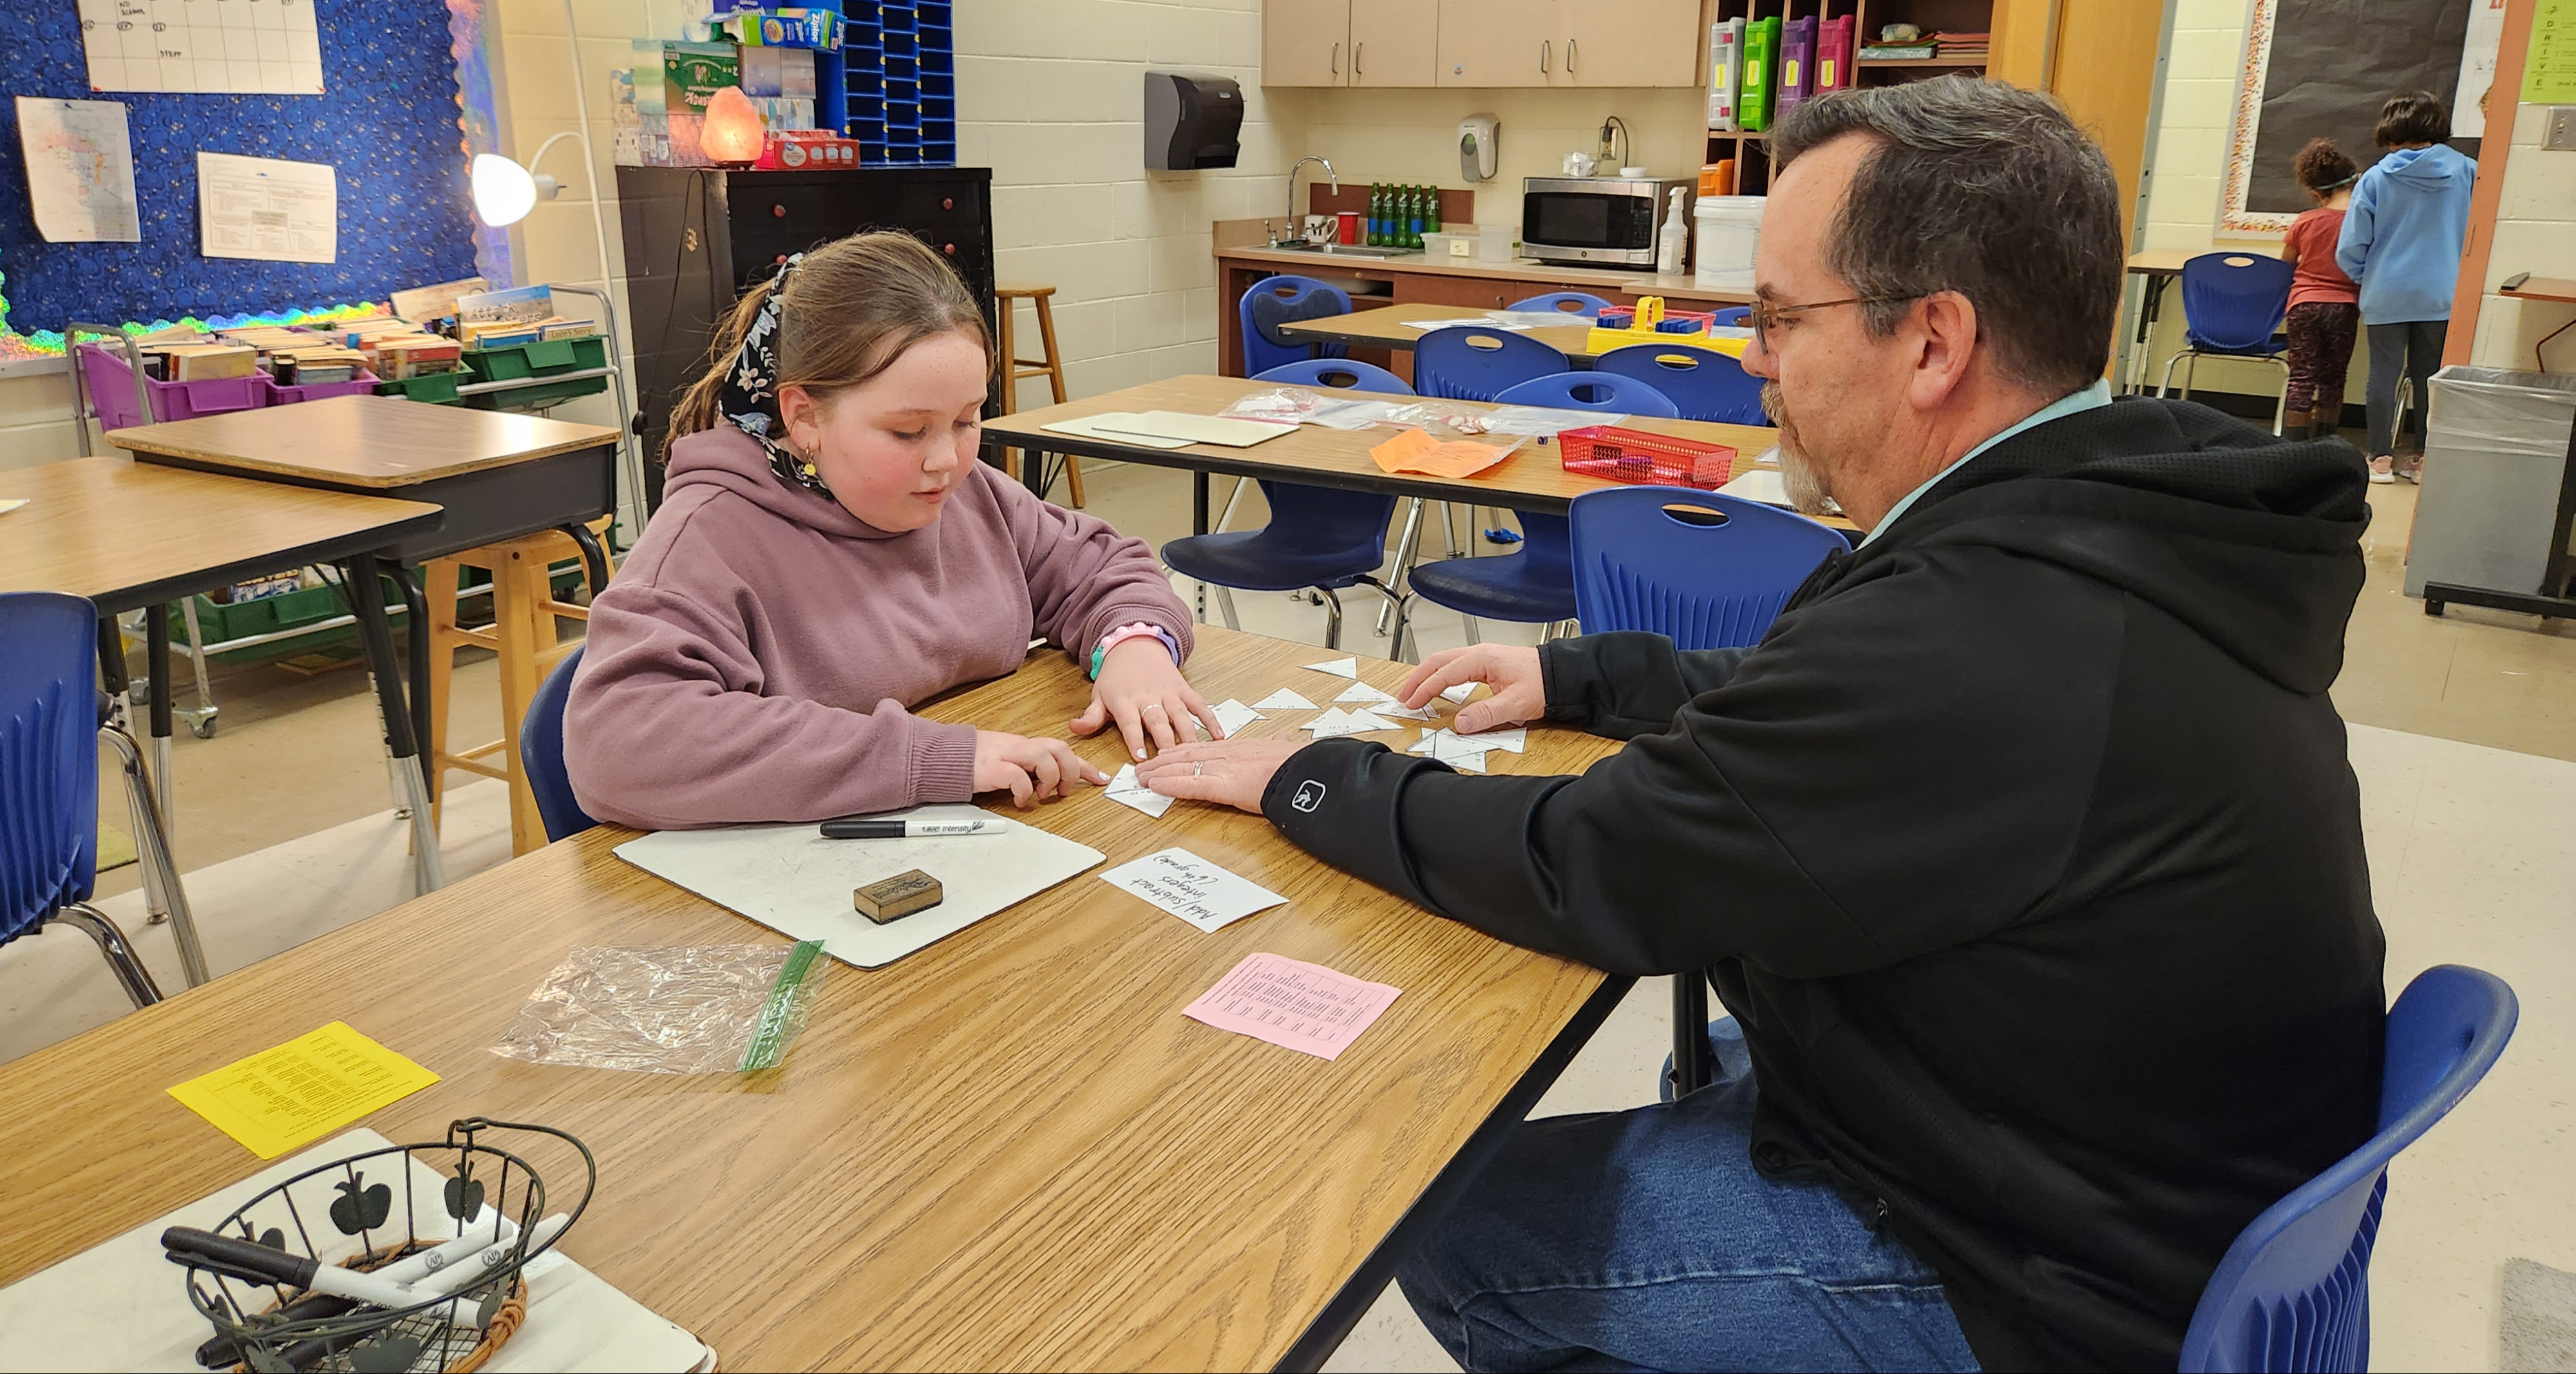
1291,1003
1416,451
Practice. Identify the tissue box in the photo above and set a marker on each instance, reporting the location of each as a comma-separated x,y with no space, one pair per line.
680,78
786,28
783,73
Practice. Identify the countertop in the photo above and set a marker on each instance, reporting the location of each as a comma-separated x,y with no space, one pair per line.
1240,240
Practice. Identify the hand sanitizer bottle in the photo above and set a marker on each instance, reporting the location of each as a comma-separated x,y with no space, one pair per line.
1674,242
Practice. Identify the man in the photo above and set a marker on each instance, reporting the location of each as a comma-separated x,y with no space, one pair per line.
2023,848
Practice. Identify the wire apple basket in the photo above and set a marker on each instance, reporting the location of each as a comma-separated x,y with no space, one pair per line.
319,1273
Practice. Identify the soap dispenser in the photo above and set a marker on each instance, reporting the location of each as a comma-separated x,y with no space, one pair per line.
1479,150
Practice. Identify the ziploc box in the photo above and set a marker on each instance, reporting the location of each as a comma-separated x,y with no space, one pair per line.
783,28
680,78
778,73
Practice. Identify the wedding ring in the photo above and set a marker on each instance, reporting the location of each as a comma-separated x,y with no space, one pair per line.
1155,706
1197,769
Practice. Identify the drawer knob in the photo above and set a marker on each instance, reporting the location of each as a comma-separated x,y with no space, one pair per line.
948,202
778,212
949,248
781,258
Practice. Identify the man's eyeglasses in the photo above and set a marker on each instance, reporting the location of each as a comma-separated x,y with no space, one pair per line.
1766,314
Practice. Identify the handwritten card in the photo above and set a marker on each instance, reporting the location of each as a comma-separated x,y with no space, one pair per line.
1191,888
303,1090
1125,790
1304,1007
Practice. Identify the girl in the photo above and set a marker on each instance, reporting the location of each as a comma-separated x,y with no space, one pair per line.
829,552
2401,241
2325,314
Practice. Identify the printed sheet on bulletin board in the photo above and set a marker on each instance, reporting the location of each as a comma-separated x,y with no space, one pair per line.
386,120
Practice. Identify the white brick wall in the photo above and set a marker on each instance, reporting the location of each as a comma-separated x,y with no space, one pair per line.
2535,223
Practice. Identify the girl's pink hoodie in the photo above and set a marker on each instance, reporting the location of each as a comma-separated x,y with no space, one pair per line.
754,658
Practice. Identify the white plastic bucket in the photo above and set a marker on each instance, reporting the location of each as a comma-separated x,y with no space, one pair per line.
1730,227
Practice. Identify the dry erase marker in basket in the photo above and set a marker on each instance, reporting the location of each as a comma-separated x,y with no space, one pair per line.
898,828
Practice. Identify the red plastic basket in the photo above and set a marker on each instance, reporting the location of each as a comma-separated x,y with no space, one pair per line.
1653,460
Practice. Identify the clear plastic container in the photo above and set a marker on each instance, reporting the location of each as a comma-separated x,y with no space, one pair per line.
1448,246
1496,242
1730,228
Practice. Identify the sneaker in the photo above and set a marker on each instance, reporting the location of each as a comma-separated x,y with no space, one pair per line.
2383,469
2412,470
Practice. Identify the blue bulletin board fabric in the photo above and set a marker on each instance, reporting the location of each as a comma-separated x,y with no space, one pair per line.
388,120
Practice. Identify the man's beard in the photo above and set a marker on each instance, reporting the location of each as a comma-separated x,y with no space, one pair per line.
1808,494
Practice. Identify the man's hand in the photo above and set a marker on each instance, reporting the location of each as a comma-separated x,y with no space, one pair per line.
1034,770
1231,772
1518,694
1143,691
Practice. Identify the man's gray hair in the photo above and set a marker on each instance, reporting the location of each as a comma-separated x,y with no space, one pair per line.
1985,189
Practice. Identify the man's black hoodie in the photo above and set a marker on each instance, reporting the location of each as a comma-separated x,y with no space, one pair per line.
2024,847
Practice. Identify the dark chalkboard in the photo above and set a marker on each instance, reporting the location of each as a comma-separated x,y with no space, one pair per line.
2333,63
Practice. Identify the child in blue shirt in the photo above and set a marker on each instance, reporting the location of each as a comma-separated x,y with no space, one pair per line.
2401,240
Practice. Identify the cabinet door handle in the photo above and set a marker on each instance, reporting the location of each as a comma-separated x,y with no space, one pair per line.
1359,56
1569,57
778,212
948,202
1337,59
1546,50
949,248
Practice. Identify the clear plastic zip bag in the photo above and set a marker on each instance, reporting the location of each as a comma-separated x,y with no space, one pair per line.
669,1008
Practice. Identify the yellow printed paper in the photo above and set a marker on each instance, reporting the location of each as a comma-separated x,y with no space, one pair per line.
280,1099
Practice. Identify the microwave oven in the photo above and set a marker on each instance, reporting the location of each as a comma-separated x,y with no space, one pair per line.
1596,221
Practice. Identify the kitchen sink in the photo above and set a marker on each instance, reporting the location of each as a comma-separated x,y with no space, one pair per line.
1346,250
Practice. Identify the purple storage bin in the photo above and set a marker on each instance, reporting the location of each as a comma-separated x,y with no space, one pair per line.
111,390
364,384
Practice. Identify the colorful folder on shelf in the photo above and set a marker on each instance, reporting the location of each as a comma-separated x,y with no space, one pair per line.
1797,65
1834,54
1761,59
1725,72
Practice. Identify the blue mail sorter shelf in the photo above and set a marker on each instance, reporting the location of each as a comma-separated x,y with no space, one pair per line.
899,81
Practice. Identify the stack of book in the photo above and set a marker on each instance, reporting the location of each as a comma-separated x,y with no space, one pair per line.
1896,52
199,362
509,333
1961,44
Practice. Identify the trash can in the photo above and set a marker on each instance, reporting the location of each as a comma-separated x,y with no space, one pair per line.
2494,458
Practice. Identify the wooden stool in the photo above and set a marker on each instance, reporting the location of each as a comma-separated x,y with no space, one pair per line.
522,632
1014,367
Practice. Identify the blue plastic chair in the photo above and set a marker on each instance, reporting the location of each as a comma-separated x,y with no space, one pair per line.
1341,373
2232,305
2293,1292
1734,316
1704,383
50,720
1608,392
541,754
1574,305
1475,363
1318,538
1285,299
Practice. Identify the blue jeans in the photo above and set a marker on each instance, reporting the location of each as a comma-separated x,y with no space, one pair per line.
1645,1238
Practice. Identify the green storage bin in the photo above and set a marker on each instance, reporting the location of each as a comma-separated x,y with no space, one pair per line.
269,614
437,388
531,361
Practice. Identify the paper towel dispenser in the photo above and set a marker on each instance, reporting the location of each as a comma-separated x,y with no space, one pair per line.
1191,122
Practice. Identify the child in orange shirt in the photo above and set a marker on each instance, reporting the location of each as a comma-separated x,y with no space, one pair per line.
2325,305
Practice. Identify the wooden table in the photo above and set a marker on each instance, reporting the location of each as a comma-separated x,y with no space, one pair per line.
129,536
1387,327
498,475
1007,1151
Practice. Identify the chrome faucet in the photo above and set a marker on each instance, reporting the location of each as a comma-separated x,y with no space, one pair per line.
1296,222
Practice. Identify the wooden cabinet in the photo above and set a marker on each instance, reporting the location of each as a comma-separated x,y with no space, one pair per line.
1501,43
1394,42
1631,42
1305,42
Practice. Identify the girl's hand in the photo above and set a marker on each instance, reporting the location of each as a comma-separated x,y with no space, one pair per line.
1143,691
1034,770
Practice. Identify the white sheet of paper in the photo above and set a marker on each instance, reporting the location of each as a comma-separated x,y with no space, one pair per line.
1126,791
215,49
268,209
1350,414
1543,422
1191,888
792,880
1194,429
1365,694
1461,692
80,170
1234,715
1480,321
1758,484
1285,700
1102,427
1339,667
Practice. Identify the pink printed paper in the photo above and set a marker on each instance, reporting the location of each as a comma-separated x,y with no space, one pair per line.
1302,1006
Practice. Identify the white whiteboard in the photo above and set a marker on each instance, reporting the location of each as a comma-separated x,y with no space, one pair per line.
211,46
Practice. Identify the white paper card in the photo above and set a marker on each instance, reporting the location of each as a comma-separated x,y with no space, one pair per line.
1458,751
1104,427
1350,414
1516,739
1234,715
1543,422
80,170
1364,721
1191,888
1365,694
1461,692
268,209
792,880
1424,712
1339,667
1285,700
1126,791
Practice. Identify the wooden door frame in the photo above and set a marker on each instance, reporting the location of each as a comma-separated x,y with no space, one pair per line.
2469,293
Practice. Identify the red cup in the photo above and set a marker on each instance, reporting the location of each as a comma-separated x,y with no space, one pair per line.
1350,226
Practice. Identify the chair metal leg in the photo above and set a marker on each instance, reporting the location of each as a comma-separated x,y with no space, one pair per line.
121,958
1473,637
2281,412
2190,374
1449,527
2167,384
201,722
1225,607
1403,622
1332,618
1406,545
1233,499
152,846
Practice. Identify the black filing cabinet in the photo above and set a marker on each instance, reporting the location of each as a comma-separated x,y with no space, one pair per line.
696,237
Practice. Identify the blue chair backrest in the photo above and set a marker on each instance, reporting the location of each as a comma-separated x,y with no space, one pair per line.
1324,521
1474,363
1574,305
1712,573
2293,1292
1336,372
2234,301
48,756
541,753
1706,384
1734,315
1607,392
1285,299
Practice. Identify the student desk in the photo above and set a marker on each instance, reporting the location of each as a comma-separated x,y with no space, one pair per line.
499,476
1386,327
129,536
1007,1151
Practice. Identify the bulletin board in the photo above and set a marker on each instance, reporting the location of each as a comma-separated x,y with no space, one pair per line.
2322,69
394,119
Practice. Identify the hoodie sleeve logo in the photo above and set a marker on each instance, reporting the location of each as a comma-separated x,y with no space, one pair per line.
1310,794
